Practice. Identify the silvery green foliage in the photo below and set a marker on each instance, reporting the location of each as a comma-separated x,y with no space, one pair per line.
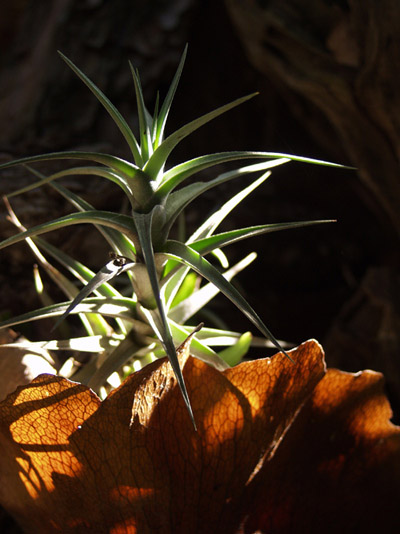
153,318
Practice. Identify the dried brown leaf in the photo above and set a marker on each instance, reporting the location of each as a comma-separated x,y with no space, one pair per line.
133,463
338,468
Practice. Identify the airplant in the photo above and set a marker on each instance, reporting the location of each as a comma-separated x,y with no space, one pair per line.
162,296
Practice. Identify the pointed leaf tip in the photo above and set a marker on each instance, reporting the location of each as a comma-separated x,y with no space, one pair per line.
143,224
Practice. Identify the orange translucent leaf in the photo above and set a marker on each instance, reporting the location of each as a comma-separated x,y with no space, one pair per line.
133,463
338,468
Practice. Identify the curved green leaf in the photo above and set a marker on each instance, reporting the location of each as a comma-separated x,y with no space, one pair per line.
76,268
155,121
208,244
119,242
233,355
118,164
143,224
190,257
115,360
94,324
82,273
178,174
111,109
102,172
123,308
172,283
166,106
210,224
122,223
178,200
198,299
217,337
197,348
97,343
145,121
160,155
185,289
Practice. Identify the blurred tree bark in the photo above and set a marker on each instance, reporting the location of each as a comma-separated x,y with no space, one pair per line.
337,62
41,101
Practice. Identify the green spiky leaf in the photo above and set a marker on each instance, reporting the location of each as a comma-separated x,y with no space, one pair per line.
234,354
143,223
113,162
160,155
166,106
122,223
145,120
178,200
208,244
200,298
123,308
186,254
111,109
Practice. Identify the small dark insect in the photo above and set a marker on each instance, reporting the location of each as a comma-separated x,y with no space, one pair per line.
119,261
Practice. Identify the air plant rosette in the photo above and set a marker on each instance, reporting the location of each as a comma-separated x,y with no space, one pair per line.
151,317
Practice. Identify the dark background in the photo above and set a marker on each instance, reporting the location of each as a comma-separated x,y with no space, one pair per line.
327,73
